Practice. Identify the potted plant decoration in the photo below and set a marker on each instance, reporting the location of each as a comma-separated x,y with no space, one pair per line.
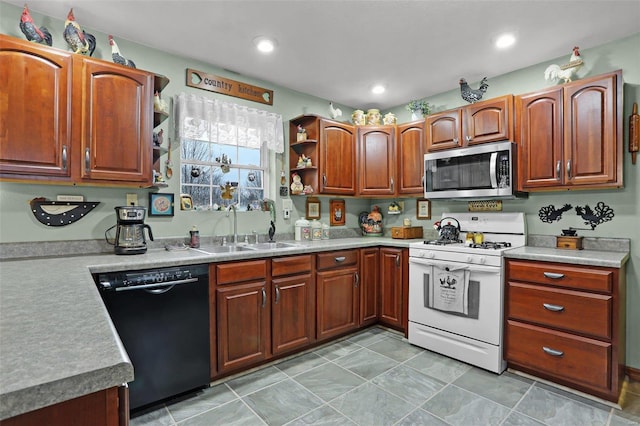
419,109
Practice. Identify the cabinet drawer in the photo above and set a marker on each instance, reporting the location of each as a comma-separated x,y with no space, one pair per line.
241,271
574,311
337,259
596,279
578,359
290,265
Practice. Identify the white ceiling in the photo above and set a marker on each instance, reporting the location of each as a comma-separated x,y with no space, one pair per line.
337,50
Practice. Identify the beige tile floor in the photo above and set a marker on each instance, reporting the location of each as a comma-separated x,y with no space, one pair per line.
375,377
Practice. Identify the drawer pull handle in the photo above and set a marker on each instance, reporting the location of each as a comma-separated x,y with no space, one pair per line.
553,308
552,352
340,259
553,275
277,294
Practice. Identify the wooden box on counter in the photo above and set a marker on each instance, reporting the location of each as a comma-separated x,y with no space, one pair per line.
406,232
566,242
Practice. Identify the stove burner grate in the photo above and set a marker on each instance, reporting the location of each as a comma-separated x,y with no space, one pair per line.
442,242
491,245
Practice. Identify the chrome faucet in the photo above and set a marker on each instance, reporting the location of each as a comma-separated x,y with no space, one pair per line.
235,222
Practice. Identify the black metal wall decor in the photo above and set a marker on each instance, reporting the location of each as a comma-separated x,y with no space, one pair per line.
593,217
60,213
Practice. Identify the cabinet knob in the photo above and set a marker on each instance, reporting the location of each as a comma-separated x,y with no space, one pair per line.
277,294
87,160
558,165
356,280
64,157
264,297
569,168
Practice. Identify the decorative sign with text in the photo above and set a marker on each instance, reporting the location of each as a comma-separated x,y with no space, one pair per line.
214,83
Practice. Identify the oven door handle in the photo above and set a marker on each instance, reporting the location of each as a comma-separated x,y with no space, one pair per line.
472,268
493,164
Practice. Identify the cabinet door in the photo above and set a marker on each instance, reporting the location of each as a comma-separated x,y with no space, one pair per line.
337,302
539,137
591,133
488,121
243,324
391,287
115,118
35,100
443,130
369,285
293,313
338,158
410,148
376,160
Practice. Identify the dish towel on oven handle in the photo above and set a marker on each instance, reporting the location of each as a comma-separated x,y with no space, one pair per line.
450,289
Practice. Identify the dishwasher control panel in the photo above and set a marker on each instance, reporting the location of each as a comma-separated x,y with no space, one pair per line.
116,280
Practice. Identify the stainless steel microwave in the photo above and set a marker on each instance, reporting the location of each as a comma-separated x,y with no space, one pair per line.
486,171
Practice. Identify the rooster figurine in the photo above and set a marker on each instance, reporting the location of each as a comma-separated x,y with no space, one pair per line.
78,40
117,57
565,72
472,95
31,31
334,112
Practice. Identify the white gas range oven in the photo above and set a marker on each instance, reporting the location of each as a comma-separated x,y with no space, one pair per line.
456,289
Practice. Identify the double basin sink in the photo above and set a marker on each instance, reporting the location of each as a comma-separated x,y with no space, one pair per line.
234,248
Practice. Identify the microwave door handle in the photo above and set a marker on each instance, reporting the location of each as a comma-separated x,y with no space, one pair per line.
493,160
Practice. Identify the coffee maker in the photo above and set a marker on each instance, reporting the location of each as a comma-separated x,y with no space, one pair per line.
130,230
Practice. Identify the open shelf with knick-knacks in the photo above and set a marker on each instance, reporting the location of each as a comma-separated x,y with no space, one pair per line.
159,83
304,151
159,148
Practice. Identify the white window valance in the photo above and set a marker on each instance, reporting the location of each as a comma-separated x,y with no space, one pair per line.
198,117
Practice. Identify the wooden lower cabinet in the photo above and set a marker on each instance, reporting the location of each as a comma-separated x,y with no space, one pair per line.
100,408
369,285
337,298
393,287
292,304
566,323
243,314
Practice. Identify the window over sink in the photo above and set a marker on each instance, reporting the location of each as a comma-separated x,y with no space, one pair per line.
225,150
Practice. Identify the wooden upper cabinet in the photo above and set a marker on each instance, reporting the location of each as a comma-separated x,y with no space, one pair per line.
376,160
443,130
593,131
35,99
117,116
488,121
68,118
482,122
337,158
410,149
570,136
540,137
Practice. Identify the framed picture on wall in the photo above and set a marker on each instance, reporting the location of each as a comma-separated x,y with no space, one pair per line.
337,211
423,209
160,204
313,208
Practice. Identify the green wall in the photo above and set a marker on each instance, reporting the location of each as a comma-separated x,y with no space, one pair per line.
17,224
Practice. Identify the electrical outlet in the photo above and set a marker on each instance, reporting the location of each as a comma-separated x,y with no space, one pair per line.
286,214
132,199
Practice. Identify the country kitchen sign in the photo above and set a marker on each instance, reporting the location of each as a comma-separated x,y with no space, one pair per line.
214,83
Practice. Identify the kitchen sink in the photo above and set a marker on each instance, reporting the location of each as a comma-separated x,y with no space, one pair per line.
273,246
211,249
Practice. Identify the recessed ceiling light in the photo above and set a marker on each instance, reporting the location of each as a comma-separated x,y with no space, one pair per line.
264,44
505,40
378,89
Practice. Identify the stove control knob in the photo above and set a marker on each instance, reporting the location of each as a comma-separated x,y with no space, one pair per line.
469,259
483,260
431,255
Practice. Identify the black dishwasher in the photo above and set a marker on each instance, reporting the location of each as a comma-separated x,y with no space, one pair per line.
162,317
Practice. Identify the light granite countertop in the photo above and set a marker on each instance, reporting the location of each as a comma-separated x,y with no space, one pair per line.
57,341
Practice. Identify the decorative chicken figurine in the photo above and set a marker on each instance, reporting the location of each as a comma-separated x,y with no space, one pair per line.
78,40
159,105
117,57
31,31
334,112
472,95
565,72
